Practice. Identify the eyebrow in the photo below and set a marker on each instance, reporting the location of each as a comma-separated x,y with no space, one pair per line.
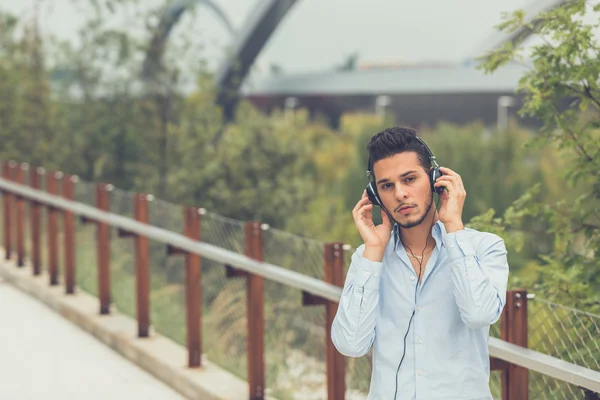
412,171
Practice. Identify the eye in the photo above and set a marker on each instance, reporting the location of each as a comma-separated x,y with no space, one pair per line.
386,186
410,179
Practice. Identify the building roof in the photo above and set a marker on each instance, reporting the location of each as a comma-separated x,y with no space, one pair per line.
427,80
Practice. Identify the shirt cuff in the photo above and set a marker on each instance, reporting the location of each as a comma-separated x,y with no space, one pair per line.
368,273
458,244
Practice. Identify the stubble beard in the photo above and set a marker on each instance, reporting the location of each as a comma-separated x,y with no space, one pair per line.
420,219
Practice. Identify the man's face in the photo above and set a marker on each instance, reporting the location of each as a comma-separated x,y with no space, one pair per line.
404,188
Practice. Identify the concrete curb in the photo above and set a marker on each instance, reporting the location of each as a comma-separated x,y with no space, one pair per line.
160,356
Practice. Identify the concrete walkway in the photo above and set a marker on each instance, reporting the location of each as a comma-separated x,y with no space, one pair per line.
45,357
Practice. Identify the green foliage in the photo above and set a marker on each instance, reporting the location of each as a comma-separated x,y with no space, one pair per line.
540,191
561,89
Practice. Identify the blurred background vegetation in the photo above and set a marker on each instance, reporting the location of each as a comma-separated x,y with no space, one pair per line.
81,108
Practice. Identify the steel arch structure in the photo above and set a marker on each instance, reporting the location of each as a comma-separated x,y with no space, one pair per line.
251,39
255,33
169,18
247,44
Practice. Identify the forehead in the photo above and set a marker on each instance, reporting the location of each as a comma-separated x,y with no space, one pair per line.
397,164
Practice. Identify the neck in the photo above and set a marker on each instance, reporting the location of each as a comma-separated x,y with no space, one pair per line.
419,238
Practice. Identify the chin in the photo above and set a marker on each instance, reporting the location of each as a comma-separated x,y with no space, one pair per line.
410,221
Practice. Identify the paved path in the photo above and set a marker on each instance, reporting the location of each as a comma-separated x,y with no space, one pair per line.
45,357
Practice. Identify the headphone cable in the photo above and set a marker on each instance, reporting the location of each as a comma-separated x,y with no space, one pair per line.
416,288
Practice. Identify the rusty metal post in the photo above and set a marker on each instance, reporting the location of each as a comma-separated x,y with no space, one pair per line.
193,289
334,274
513,329
68,192
35,215
517,334
52,179
103,248
256,320
142,267
20,215
7,208
333,257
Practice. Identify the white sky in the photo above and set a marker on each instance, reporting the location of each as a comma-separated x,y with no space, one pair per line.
318,34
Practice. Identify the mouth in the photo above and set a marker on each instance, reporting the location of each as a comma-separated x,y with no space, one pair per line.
404,209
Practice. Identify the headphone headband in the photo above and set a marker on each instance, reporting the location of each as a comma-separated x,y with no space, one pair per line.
422,143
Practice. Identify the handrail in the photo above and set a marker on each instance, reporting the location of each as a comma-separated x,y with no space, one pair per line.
545,364
511,353
269,271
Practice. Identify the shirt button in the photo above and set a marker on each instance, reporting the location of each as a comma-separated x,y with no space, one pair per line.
418,308
420,340
452,246
420,372
375,274
412,278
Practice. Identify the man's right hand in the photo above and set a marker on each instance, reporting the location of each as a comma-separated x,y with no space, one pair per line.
374,237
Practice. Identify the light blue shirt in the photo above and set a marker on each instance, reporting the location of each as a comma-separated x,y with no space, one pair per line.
462,293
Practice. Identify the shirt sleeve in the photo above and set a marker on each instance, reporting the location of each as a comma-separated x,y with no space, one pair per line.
479,274
353,328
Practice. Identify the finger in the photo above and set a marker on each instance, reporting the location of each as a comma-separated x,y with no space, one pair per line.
448,171
448,184
452,187
361,202
448,178
455,179
364,210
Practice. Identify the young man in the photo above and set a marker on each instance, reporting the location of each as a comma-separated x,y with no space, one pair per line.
422,288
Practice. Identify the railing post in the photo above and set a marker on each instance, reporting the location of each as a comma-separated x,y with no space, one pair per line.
519,376
334,274
52,228
193,285
7,203
20,215
333,257
142,267
35,215
193,289
255,293
103,248
515,379
68,192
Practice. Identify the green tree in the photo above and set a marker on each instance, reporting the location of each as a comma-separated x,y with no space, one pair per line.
36,141
9,82
561,89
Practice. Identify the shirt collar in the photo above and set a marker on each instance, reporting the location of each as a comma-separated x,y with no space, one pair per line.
438,231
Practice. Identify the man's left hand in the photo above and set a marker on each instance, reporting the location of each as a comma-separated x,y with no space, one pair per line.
452,199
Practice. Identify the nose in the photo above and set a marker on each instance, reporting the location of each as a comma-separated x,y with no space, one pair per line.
401,192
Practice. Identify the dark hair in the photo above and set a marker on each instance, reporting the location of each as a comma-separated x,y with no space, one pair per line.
392,141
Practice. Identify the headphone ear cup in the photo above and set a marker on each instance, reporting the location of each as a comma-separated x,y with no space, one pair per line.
372,194
434,175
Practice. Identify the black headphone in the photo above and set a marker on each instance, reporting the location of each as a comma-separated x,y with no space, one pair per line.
434,173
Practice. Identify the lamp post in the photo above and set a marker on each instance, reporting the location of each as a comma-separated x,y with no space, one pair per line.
504,102
381,103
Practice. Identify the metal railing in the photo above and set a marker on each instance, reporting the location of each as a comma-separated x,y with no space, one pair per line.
204,296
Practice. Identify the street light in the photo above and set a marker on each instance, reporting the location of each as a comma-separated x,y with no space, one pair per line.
381,102
504,102
290,104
